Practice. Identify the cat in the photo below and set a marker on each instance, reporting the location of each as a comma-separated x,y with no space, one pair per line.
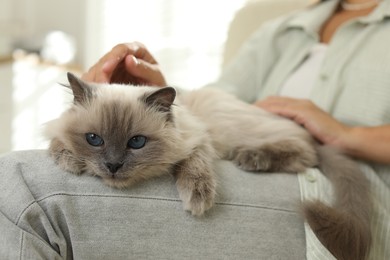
125,134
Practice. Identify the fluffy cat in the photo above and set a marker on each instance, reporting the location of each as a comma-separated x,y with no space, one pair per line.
125,134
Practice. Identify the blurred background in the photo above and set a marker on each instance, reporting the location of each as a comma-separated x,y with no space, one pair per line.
40,40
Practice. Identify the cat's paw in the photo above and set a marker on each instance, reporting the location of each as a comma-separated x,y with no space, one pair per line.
282,156
199,198
64,158
68,163
253,160
196,181
196,191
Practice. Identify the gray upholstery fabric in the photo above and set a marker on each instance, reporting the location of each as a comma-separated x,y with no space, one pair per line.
47,213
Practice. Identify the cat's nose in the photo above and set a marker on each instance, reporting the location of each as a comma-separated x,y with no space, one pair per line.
114,167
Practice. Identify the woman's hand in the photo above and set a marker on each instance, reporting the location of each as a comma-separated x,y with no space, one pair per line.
320,124
367,143
127,63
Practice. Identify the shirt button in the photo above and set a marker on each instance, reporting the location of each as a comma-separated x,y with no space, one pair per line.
323,77
310,177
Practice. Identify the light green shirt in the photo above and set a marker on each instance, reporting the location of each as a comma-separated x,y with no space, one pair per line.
353,85
355,70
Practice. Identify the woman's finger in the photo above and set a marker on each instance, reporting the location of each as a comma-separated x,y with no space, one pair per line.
146,72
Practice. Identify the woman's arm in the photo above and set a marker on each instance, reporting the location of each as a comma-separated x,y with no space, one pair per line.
370,143
366,143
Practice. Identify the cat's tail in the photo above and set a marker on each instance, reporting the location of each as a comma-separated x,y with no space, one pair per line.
343,228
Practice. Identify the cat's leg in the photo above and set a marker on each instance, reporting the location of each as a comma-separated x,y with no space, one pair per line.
279,156
195,180
64,158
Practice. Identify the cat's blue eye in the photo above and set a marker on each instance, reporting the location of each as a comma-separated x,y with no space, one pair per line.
137,142
94,139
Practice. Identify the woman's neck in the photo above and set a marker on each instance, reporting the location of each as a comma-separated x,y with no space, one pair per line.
343,15
358,1
358,5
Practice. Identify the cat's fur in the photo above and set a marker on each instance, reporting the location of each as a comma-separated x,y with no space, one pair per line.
185,135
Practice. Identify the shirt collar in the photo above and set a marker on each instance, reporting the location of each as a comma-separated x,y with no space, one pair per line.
380,13
312,18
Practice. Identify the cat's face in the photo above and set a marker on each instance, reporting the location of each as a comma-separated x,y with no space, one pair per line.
122,134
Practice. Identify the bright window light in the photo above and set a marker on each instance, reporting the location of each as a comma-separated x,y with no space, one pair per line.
186,37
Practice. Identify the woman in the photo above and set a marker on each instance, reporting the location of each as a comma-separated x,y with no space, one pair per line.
329,54
327,68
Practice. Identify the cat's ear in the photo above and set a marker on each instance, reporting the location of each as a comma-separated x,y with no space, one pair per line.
162,99
81,90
